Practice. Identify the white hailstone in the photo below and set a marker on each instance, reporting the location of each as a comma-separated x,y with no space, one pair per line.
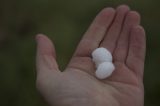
103,60
101,55
104,70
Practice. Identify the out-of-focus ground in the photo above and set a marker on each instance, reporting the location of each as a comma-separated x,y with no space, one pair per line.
64,21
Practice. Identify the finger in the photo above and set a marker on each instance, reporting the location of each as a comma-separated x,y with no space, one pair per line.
81,59
46,55
109,41
136,55
120,53
95,33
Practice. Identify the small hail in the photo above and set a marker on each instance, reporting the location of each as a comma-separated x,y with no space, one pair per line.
103,61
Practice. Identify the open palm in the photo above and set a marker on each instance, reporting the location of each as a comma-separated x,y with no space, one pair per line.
118,31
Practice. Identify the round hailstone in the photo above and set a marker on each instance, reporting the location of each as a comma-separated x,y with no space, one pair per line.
104,70
101,55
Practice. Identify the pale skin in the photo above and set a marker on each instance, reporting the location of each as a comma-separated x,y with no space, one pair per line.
119,31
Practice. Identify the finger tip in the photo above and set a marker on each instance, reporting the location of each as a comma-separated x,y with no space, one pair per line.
138,33
138,28
123,7
134,15
39,36
43,38
107,11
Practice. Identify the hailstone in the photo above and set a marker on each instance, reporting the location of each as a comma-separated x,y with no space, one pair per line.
104,70
103,61
101,55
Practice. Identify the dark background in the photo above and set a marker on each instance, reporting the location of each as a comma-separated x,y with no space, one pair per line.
64,21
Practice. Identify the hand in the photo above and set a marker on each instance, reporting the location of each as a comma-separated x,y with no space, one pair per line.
117,30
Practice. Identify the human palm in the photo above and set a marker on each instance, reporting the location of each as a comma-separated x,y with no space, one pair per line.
118,31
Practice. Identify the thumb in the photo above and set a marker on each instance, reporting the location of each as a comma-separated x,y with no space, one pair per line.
46,56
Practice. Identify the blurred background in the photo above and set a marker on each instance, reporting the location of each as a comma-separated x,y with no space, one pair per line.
64,21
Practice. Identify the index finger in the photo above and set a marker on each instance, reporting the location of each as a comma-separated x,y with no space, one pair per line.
95,33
